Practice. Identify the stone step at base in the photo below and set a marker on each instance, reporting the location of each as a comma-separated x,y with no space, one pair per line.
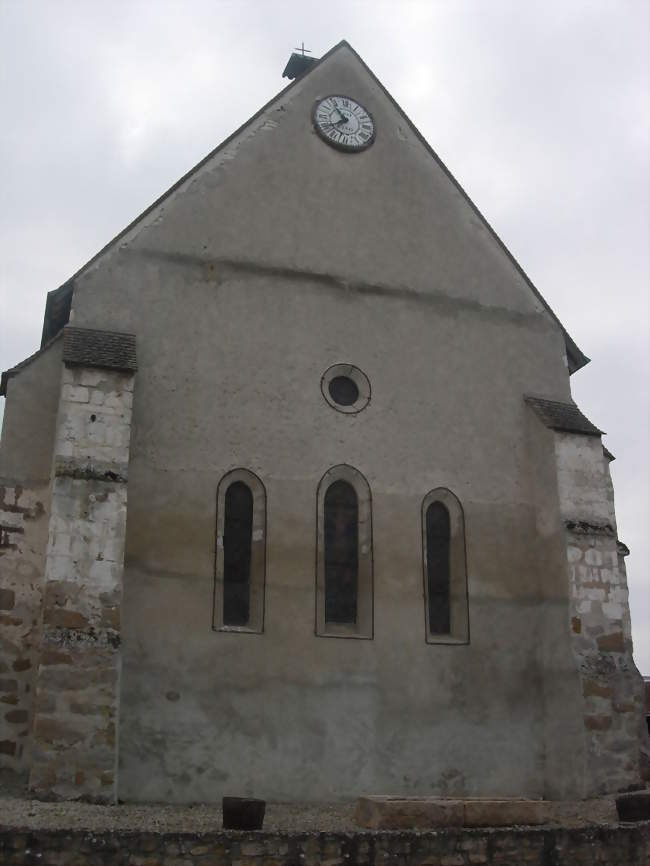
402,813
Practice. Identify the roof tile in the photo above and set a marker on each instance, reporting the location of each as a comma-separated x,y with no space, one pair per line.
86,347
562,416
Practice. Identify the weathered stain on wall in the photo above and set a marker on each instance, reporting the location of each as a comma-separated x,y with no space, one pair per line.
77,688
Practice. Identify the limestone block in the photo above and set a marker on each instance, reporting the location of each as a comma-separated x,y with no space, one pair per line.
593,557
609,576
91,377
11,520
502,813
574,554
118,400
402,813
613,610
595,594
396,813
75,394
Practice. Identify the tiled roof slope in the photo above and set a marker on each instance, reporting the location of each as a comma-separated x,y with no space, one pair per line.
86,347
562,416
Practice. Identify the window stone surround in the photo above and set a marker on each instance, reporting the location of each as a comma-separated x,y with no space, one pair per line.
458,592
360,380
258,553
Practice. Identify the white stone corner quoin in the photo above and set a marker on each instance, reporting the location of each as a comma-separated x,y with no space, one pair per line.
76,707
600,626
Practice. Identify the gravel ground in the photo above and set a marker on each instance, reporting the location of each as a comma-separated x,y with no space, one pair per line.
32,814
19,812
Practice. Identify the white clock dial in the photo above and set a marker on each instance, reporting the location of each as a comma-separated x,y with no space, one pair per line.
343,123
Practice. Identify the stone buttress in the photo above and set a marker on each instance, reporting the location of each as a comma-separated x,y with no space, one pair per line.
25,484
22,525
76,705
601,638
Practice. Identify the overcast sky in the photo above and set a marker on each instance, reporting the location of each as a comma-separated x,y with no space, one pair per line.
540,109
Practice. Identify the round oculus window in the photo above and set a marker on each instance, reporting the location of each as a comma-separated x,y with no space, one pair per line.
346,388
343,390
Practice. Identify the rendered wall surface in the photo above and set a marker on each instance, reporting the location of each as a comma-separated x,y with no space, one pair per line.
276,260
77,685
29,420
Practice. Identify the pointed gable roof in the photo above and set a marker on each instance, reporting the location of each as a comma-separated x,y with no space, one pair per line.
58,298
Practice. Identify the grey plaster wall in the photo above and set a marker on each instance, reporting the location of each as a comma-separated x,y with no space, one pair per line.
30,418
277,259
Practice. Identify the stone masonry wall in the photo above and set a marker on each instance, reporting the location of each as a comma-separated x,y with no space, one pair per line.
77,685
23,535
513,846
600,617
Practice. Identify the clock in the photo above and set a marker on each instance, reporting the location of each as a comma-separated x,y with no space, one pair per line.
343,123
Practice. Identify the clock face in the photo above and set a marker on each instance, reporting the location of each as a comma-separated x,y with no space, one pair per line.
343,123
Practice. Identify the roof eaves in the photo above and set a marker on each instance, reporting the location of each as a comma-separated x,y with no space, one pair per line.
561,416
57,311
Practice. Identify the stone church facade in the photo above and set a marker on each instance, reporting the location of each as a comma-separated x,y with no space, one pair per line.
294,498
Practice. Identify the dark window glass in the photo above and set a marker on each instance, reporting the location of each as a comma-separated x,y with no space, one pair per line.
438,568
237,537
341,552
343,390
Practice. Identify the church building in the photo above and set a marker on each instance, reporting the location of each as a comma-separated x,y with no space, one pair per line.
295,502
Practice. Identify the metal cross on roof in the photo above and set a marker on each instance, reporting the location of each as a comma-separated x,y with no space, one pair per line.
302,49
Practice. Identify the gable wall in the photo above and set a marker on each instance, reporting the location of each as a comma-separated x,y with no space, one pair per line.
245,286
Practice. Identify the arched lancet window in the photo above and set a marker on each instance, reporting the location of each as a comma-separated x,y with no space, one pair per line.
240,553
438,567
344,603
237,544
445,571
341,553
